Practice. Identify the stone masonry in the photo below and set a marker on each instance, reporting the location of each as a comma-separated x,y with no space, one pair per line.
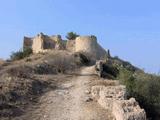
42,43
113,98
27,43
89,45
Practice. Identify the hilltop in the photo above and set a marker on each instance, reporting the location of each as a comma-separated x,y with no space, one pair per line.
74,79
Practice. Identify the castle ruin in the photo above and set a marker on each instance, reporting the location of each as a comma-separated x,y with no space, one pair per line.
42,43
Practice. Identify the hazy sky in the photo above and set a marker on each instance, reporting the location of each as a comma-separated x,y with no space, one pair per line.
129,28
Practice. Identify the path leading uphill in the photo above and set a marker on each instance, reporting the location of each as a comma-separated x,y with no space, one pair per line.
71,101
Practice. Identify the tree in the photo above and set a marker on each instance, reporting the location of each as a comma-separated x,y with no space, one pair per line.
71,35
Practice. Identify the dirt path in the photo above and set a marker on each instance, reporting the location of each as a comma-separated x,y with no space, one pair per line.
71,101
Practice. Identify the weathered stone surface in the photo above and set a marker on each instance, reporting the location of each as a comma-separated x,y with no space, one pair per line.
113,98
86,44
38,43
88,99
89,45
128,110
43,42
27,42
70,46
106,95
99,68
96,90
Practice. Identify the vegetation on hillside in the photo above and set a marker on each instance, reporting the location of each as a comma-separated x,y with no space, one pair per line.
140,85
21,54
22,84
145,88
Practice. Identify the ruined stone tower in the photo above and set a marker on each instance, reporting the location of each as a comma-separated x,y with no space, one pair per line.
89,45
43,42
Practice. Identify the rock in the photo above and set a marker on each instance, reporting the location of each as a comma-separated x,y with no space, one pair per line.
45,116
111,93
95,91
87,92
46,61
128,110
99,68
88,99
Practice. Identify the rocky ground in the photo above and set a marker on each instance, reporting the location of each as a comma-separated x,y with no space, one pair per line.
59,86
71,100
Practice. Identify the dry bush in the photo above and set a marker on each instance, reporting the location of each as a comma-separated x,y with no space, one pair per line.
44,68
17,90
61,62
20,71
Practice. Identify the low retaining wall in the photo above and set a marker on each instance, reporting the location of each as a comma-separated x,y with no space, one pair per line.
113,98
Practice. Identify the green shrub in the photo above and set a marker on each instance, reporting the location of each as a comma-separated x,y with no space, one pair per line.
109,71
93,36
140,85
21,54
20,71
71,36
145,88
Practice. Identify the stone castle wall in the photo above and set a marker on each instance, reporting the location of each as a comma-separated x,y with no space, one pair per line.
87,44
27,42
42,43
101,53
70,45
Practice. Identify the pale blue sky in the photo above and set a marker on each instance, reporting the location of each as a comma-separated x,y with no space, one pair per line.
129,28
